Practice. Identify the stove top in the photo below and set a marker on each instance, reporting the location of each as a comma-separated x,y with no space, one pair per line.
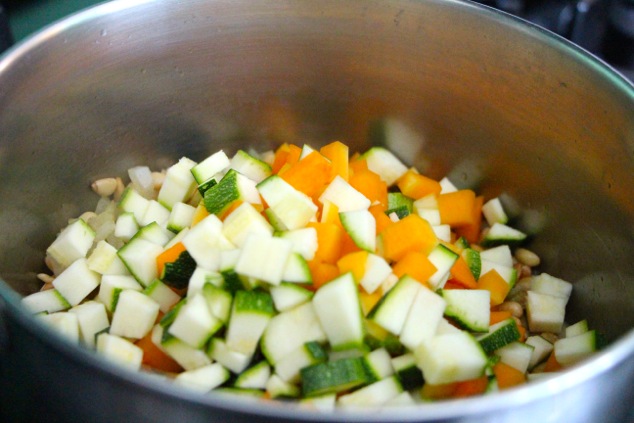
603,27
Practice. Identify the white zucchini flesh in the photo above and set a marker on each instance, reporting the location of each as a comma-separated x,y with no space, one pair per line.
132,202
451,358
76,282
442,232
545,313
232,360
516,354
391,311
446,186
64,323
404,399
219,301
202,276
92,319
212,165
289,295
104,260
423,318
550,285
501,255
470,308
134,316
162,294
205,242
179,183
120,350
276,387
180,217
72,243
373,395
203,379
541,350
338,308
250,314
508,273
250,166
493,212
242,222
126,226
361,226
430,215
289,366
376,271
292,209
49,301
344,196
155,233
569,351
187,357
255,377
304,241
443,259
379,363
296,269
112,285
155,212
194,323
576,329
264,258
384,163
321,403
139,256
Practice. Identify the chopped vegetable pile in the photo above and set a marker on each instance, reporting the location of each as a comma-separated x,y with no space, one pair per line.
338,280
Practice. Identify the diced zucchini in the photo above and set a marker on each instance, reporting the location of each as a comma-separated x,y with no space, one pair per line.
474,261
218,300
242,222
430,215
569,351
76,282
179,183
187,357
134,316
333,376
203,379
276,387
63,323
202,276
361,226
404,399
289,295
470,308
550,285
501,255
133,202
545,312
508,273
178,273
289,330
232,187
443,232
250,166
111,286
378,364
208,168
407,372
250,314
205,241
376,271
162,294
49,301
155,233
423,318
296,270
155,212
255,377
443,259
446,186
119,350
373,395
72,243
180,217
577,329
451,358
541,350
304,241
500,233
321,403
289,208
392,309
338,308
194,323
493,212
139,256
232,360
384,163
516,354
104,260
499,335
400,204
288,368
92,319
344,196
264,258
126,226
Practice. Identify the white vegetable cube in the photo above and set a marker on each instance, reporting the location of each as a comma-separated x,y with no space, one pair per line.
64,323
470,308
344,196
120,350
569,351
76,282
112,285
212,165
339,310
541,350
384,163
373,395
576,329
139,256
443,232
218,300
516,354
205,241
501,255
187,357
379,363
550,285
446,186
451,358
49,301
242,222
289,295
254,377
194,323
134,316
162,294
133,202
200,277
255,169
250,314
423,318
508,273
289,366
443,259
264,258
179,183
392,312
104,260
288,208
297,270
545,312
203,379
72,243
376,271
361,226
430,215
232,360
493,212
155,212
92,318
304,241
180,217
277,387
126,226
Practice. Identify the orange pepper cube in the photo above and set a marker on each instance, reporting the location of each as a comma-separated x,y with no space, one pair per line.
496,285
456,208
412,233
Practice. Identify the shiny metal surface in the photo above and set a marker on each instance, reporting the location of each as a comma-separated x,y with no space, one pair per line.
492,101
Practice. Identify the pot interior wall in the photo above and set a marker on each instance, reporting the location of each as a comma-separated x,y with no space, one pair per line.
496,106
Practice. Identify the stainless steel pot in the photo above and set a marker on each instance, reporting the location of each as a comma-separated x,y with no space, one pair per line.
487,98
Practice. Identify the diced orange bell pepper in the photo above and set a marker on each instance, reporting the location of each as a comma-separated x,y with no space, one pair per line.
460,273
309,175
415,185
355,263
337,152
371,185
416,265
456,208
412,233
496,285
169,256
329,241
322,273
471,232
507,376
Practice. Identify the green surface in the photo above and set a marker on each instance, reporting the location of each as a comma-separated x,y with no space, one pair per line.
26,17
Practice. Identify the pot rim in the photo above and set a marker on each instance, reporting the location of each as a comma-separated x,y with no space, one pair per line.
604,361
